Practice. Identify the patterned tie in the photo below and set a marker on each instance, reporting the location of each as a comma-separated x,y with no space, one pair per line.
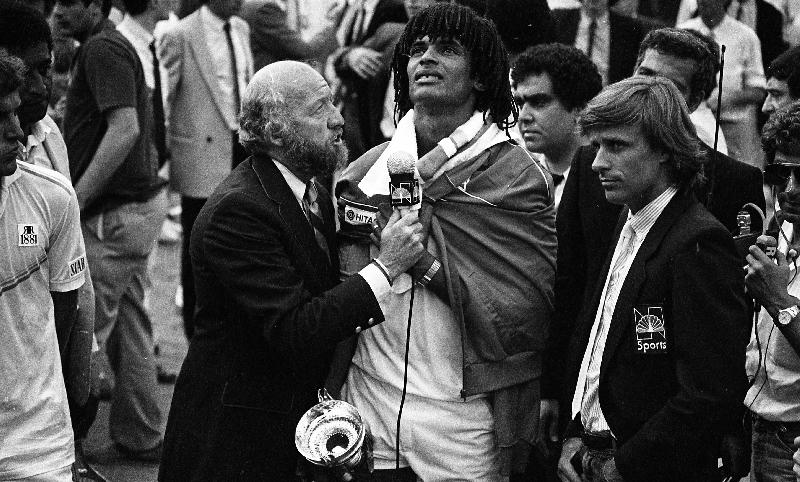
311,207
234,70
159,128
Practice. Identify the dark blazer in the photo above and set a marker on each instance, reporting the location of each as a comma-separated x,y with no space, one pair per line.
669,409
520,23
626,35
269,313
769,28
585,224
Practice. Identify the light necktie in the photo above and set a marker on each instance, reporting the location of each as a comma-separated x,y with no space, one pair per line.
159,128
312,209
591,392
234,70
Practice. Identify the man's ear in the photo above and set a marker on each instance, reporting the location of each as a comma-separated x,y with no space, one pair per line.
479,86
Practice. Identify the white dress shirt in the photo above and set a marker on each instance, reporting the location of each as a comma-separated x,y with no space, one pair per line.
586,400
602,42
220,54
140,38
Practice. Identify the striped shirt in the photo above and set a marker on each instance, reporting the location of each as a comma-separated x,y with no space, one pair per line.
42,251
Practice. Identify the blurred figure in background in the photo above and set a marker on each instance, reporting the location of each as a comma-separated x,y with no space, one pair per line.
107,129
208,62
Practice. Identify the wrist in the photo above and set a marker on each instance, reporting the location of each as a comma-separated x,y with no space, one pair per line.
784,301
384,270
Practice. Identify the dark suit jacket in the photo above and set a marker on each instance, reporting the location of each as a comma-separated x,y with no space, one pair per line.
668,410
520,23
269,313
626,35
585,224
769,28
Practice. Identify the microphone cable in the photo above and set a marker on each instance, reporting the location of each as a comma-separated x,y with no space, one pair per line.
405,378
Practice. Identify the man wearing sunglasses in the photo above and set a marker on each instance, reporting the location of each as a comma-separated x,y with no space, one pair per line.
773,354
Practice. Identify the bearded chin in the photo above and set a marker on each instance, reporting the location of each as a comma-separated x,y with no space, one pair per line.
313,159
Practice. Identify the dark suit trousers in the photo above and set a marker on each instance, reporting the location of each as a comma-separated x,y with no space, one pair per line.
190,208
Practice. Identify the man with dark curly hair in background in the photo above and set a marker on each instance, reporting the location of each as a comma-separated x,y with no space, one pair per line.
552,83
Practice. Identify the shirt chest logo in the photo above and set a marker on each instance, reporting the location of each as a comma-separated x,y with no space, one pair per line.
651,332
27,235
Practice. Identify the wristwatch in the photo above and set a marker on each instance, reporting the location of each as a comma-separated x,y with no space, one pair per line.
786,315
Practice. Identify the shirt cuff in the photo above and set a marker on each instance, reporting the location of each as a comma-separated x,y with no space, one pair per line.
376,280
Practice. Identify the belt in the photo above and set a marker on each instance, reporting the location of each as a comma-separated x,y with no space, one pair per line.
773,426
599,440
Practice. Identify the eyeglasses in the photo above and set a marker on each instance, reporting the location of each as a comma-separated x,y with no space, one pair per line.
778,174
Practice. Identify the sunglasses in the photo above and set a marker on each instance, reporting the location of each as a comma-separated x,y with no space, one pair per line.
778,174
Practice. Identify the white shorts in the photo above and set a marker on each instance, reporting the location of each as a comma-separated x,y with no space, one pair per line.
439,440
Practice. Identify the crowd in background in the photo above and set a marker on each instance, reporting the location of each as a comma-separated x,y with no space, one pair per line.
139,106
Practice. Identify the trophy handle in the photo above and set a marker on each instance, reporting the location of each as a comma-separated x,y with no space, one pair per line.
323,395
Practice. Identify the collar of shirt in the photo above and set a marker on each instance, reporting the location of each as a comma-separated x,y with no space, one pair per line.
39,133
645,218
130,26
297,186
210,19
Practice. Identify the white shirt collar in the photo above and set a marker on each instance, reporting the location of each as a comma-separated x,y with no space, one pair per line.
135,29
211,19
645,218
297,186
39,133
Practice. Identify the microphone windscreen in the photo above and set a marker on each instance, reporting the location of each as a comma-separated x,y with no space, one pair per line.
400,162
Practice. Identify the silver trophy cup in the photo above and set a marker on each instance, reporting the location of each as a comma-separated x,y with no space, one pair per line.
331,433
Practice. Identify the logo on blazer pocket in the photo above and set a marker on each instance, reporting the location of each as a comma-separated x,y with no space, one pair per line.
650,330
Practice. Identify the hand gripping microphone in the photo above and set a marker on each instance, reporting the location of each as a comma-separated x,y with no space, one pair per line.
404,188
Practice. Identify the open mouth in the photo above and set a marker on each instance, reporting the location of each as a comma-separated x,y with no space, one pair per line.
423,77
337,139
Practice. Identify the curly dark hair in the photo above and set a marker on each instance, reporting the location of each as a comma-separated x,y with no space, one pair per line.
782,133
687,44
22,26
786,67
574,77
480,38
12,74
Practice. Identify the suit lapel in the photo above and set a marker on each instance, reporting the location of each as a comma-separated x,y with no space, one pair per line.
636,274
291,214
198,44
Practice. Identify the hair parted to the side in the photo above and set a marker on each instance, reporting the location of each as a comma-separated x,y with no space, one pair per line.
656,105
686,44
489,58
573,76
12,73
781,133
265,113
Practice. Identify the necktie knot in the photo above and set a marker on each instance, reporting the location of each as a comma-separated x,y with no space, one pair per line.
152,46
227,27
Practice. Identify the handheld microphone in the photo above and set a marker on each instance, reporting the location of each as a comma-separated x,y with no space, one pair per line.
404,189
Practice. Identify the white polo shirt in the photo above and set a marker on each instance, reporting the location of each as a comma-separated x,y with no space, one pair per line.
42,252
